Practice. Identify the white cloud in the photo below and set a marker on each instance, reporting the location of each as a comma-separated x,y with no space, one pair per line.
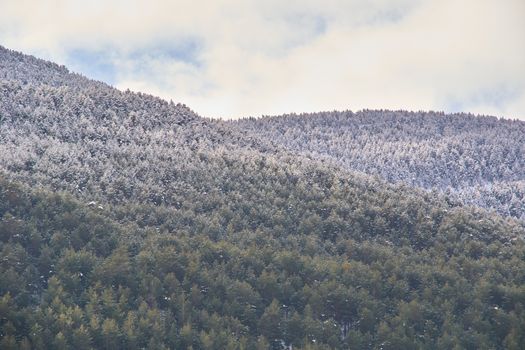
270,57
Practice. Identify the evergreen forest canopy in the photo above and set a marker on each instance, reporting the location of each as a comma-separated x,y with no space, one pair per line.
130,222
478,160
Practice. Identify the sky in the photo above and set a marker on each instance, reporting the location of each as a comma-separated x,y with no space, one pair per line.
240,58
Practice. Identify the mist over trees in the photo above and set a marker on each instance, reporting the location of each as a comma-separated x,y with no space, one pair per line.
131,222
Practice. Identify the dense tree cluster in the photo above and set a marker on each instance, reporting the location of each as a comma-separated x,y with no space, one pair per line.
130,222
101,142
481,160
338,271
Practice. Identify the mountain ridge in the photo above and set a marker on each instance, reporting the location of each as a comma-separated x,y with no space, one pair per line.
478,159
130,222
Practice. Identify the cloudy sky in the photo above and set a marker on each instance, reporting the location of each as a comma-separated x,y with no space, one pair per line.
233,58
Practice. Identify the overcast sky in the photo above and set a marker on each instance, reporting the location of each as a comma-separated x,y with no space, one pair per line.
234,58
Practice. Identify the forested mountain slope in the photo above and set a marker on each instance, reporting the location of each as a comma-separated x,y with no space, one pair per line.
480,160
87,137
130,222
262,268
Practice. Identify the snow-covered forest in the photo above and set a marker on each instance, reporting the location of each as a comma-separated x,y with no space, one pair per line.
478,160
130,222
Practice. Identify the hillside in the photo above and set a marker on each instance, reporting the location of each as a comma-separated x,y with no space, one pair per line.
131,222
479,160
330,273
102,143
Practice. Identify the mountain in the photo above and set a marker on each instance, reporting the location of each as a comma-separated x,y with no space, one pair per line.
79,135
130,222
479,160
